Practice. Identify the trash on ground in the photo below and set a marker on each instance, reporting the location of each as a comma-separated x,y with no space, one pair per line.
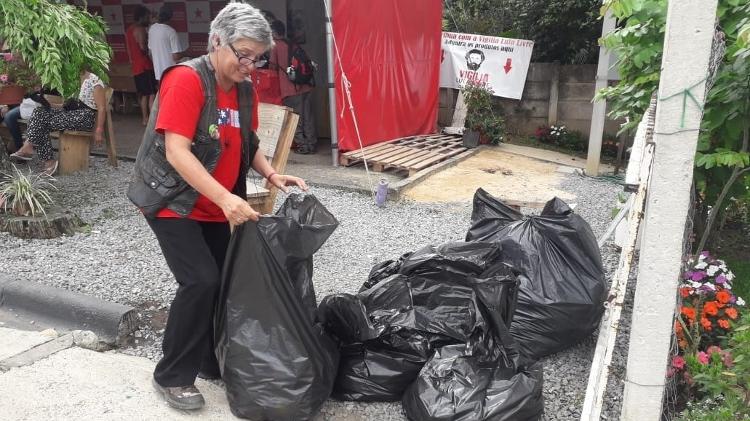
276,360
562,283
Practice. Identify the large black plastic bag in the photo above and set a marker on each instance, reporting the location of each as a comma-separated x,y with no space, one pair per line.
562,284
390,330
458,384
276,360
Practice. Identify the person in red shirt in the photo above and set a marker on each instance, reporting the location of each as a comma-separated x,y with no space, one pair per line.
296,97
136,42
195,245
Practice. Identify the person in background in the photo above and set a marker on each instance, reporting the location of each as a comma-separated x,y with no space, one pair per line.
87,113
136,42
189,181
296,97
163,43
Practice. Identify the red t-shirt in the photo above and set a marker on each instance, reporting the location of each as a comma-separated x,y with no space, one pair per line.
139,61
180,103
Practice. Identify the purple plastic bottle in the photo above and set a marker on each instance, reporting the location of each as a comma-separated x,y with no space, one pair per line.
381,193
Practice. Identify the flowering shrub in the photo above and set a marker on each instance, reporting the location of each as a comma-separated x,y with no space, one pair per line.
13,71
561,136
709,308
713,363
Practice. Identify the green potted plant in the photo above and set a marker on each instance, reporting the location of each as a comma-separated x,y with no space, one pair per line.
56,40
15,79
483,123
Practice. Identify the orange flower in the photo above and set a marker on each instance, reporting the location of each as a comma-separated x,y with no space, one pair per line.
689,312
677,327
682,343
723,296
731,312
711,308
724,324
685,292
705,323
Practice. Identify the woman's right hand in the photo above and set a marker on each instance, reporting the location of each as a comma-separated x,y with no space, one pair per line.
236,210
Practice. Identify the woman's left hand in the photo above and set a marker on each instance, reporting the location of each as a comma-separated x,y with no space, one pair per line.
98,137
282,181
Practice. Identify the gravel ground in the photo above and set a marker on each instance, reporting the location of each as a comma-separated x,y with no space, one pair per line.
118,259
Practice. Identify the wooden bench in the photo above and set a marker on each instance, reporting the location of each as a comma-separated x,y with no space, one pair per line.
75,146
276,127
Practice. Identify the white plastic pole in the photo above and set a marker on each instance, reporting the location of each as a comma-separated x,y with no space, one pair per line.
331,84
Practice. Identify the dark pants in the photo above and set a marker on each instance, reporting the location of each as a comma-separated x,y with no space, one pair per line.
195,254
11,122
302,105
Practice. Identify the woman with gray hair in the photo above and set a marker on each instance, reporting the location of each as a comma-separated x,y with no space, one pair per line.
189,182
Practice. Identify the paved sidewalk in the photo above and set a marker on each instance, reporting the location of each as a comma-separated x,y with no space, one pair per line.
80,384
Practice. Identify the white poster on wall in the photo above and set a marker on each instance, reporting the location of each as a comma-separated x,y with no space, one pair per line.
499,63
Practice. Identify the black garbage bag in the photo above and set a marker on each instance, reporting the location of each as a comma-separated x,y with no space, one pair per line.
458,257
562,283
383,270
276,360
457,384
389,331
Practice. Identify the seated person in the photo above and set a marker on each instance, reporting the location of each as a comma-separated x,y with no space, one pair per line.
11,115
88,113
10,118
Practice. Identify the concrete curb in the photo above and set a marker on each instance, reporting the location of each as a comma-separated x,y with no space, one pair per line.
398,188
65,310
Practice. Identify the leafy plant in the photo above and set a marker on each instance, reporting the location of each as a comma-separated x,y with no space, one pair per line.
722,160
24,195
562,137
481,114
56,40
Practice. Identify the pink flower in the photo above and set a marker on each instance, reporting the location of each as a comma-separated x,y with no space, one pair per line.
703,358
698,276
678,362
8,56
726,358
4,78
713,349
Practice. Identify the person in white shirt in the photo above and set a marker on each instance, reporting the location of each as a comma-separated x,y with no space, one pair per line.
163,43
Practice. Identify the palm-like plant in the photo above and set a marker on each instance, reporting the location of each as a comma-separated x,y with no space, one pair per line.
25,194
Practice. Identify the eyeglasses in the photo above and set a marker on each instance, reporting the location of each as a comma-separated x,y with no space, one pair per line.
247,61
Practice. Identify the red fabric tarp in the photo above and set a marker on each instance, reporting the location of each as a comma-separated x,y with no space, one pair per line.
390,51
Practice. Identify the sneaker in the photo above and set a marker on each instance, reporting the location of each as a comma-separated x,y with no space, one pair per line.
185,397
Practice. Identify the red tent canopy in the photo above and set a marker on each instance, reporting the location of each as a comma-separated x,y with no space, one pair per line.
390,51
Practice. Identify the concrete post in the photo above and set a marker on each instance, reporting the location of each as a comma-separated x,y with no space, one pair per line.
554,94
687,49
598,115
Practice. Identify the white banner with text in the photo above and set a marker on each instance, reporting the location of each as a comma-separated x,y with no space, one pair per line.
498,63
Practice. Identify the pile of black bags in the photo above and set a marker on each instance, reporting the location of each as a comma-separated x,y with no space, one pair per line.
432,330
452,331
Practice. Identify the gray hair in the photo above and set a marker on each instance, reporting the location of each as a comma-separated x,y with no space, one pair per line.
236,21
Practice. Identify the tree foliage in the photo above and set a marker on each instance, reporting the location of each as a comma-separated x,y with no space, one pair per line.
722,159
562,30
56,41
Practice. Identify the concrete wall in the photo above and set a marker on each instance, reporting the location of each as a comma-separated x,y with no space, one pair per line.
573,85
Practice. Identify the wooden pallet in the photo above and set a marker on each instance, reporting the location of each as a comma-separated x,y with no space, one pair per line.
411,154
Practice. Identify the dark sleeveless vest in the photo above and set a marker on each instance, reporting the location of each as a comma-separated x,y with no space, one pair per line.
156,184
